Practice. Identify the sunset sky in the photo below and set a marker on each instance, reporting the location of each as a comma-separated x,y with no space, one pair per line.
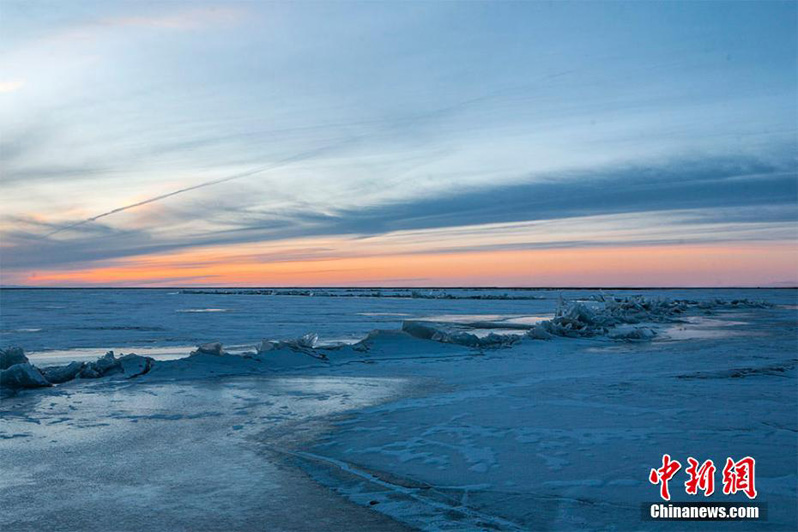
398,143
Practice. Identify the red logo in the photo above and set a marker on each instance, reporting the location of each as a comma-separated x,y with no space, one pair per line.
737,476
702,478
664,474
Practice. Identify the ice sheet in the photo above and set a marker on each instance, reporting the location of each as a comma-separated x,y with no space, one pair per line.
542,434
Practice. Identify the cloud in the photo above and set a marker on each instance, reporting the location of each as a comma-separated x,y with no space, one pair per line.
720,186
46,58
179,20
168,20
11,86
271,166
735,199
718,183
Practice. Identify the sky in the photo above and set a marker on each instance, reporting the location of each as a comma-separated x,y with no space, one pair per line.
398,143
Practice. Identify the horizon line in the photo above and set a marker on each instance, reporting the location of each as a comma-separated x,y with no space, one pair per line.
343,287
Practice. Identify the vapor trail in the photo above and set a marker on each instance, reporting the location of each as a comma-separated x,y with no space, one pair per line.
273,166
304,155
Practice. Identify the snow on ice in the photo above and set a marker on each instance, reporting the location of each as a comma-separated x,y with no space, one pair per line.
466,424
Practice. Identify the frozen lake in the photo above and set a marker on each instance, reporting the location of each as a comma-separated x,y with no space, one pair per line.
58,325
399,430
175,457
166,323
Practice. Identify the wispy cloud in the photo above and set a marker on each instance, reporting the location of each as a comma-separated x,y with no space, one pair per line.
185,19
11,86
196,132
284,162
169,19
713,201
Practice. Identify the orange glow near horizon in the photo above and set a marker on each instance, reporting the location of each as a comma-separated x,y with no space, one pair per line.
706,265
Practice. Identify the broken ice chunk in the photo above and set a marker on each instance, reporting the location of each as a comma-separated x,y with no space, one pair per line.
212,348
11,356
61,374
22,376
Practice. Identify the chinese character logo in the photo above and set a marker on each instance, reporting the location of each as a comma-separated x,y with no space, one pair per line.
701,478
737,476
664,474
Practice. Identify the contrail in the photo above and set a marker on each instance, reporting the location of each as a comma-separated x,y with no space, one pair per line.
279,164
300,156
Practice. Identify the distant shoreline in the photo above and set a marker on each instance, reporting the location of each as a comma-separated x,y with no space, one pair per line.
528,288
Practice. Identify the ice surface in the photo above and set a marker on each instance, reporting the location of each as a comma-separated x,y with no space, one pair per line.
428,426
193,455
57,326
556,435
